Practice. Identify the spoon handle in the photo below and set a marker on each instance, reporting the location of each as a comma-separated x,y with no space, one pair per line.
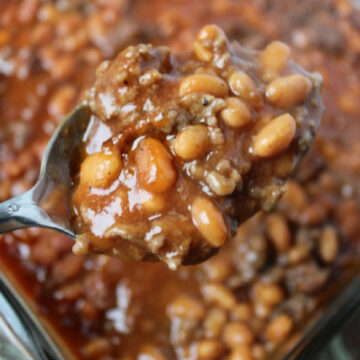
21,212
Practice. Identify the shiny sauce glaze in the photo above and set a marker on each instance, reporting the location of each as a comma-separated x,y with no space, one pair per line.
182,147
268,280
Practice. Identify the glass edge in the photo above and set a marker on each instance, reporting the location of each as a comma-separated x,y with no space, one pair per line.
329,323
25,325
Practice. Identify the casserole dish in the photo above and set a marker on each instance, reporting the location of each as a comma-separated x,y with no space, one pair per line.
306,251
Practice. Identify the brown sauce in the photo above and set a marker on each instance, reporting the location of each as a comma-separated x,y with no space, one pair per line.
181,147
48,55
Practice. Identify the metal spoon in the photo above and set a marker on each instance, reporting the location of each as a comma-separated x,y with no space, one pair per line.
47,203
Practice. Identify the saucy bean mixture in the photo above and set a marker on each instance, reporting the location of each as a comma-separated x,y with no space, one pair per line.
269,281
197,142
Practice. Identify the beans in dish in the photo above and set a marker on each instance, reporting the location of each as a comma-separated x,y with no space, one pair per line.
293,261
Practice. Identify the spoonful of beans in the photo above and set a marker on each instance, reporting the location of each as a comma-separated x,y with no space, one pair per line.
169,153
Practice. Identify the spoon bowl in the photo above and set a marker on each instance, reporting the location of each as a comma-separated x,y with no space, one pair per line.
47,203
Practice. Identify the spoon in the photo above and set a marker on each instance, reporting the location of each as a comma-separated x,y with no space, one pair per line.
41,206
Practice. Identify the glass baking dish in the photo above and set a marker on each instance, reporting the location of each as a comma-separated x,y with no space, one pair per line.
28,334
25,335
